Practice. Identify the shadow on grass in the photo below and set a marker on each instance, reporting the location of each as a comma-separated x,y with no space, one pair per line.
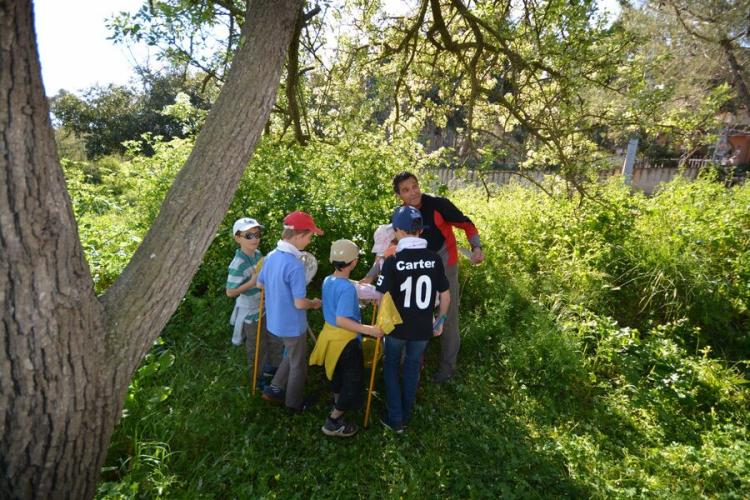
463,440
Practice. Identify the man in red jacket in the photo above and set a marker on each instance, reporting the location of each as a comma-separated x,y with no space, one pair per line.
440,216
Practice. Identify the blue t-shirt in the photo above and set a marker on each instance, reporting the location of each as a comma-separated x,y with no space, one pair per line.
340,299
283,280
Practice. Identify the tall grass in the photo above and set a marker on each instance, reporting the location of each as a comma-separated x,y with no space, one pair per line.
604,350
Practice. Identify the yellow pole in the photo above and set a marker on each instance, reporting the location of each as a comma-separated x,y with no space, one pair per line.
374,363
257,342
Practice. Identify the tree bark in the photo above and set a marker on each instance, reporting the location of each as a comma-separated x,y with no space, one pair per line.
66,357
292,82
53,406
739,80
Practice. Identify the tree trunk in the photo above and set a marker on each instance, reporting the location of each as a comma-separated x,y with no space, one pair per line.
739,80
54,410
292,82
65,356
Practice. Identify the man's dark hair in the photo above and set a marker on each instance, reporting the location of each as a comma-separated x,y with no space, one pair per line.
401,177
339,265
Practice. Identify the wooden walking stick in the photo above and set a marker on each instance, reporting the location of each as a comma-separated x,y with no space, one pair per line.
257,341
374,364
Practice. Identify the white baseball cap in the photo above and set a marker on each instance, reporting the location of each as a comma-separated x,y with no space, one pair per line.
244,224
384,234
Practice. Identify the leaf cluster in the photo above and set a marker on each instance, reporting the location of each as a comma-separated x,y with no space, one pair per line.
581,375
105,118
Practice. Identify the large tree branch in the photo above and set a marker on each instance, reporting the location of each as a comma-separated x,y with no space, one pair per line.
737,73
49,332
146,294
678,12
292,81
293,90
65,357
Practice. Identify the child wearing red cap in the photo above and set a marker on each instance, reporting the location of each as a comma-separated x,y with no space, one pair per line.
283,280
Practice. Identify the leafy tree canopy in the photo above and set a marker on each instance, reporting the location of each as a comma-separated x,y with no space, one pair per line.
106,117
544,83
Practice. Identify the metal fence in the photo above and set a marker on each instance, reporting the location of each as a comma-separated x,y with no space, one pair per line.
646,178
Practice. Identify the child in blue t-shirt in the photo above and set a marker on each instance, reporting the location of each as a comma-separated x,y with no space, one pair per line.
241,283
282,277
339,347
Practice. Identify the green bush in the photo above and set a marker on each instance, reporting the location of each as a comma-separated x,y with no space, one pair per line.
597,354
690,254
683,253
115,201
344,186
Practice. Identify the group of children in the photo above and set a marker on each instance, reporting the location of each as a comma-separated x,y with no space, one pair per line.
411,275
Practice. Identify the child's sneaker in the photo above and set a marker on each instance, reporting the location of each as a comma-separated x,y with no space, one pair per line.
273,394
397,428
339,427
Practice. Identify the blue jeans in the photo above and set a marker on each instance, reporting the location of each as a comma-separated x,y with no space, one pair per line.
400,398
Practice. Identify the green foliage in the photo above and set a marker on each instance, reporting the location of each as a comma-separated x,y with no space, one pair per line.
115,202
693,249
593,360
183,33
344,186
683,253
554,83
106,118
491,76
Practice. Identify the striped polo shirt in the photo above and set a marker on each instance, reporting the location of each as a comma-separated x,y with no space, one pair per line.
241,269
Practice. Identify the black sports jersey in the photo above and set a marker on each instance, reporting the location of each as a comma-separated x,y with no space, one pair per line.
413,276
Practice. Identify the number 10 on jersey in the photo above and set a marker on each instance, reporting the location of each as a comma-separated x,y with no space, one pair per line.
422,292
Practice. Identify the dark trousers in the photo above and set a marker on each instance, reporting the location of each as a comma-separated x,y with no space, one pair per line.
292,371
450,341
348,377
271,348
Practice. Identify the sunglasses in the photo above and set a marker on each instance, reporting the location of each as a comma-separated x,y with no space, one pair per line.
251,236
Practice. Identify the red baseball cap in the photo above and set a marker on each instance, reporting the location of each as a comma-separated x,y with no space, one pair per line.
301,221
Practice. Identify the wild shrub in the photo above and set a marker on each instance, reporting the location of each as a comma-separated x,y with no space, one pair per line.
683,253
689,256
345,186
555,249
594,340
116,200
